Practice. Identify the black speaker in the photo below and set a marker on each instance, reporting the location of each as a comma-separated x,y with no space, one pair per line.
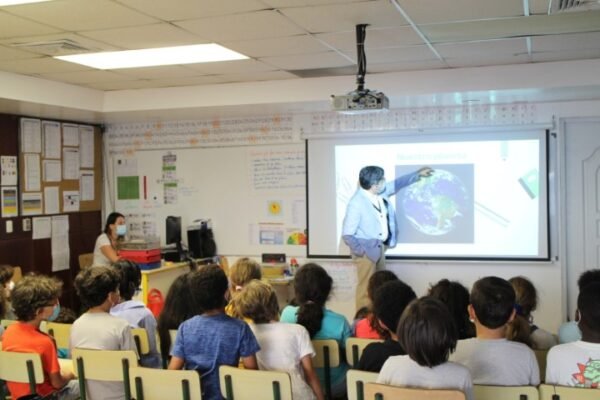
201,242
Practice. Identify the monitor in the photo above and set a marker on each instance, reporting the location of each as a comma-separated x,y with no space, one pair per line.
173,234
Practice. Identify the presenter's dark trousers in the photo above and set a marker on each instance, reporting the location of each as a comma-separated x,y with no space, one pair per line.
364,269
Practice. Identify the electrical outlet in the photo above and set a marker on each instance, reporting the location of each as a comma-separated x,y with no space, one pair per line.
26,224
9,226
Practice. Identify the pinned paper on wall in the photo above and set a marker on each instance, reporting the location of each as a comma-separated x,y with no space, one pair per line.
60,243
32,172
42,228
51,138
52,170
70,163
31,135
86,146
9,202
86,185
70,135
51,204
70,200
8,168
31,203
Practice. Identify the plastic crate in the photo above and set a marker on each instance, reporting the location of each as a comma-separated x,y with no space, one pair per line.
150,256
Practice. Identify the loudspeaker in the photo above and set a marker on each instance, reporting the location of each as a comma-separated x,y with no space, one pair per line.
201,242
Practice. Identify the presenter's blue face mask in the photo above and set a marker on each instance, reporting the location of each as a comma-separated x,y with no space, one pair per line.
121,230
55,313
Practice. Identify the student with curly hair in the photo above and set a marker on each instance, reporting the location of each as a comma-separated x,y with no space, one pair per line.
283,347
211,339
98,290
35,299
491,358
312,286
240,273
569,331
428,334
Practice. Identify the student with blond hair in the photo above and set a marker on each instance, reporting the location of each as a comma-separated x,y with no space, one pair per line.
240,273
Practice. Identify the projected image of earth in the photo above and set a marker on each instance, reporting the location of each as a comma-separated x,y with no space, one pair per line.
438,208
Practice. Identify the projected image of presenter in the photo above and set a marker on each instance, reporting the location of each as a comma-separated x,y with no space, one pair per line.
369,227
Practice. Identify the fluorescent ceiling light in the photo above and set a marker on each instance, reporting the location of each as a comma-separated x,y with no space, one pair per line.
198,53
15,2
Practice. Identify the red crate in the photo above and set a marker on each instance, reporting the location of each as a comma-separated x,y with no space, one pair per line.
141,256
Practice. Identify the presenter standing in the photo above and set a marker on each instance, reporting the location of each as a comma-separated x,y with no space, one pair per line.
369,226
105,250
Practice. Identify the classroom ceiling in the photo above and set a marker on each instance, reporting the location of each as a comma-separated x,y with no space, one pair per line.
290,39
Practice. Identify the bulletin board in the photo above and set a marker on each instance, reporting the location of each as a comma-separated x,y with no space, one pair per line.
254,196
60,167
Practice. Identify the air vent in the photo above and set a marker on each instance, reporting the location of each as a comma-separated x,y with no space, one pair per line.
59,47
560,6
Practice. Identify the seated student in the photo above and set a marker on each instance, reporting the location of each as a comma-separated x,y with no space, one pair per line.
7,285
367,327
456,297
177,308
389,302
283,347
312,286
240,273
35,299
98,290
578,363
134,311
491,358
522,328
211,339
428,334
569,331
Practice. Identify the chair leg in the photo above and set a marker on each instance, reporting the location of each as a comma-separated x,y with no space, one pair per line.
139,389
31,377
185,389
327,373
378,396
126,383
228,388
81,379
276,391
360,390
355,355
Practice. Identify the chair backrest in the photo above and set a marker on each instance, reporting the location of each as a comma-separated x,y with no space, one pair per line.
377,391
140,336
17,274
327,356
505,392
21,367
173,335
103,365
552,392
160,384
6,322
355,347
540,356
60,333
86,260
355,383
248,384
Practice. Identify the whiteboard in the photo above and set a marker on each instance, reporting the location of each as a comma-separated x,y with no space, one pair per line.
254,196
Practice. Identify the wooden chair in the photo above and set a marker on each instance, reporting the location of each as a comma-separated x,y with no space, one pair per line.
160,384
60,333
249,384
355,347
540,356
17,274
486,392
22,368
140,336
553,392
86,260
355,383
103,365
377,391
327,357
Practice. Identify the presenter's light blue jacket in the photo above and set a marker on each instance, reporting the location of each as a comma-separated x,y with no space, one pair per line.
361,229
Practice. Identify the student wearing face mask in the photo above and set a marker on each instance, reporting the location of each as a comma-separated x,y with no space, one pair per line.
35,299
369,227
105,251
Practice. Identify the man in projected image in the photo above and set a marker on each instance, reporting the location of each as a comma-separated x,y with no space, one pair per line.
369,226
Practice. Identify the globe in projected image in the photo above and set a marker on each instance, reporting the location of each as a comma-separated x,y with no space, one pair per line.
433,205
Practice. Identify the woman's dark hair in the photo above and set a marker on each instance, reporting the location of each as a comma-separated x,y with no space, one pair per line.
177,308
94,284
493,300
427,332
312,287
390,301
456,297
588,304
111,219
519,330
6,274
32,293
208,286
375,281
131,278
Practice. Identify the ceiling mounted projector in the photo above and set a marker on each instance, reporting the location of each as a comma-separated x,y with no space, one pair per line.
360,100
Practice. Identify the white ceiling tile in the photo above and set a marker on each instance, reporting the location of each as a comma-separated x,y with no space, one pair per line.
187,81
158,72
8,53
40,65
78,15
230,67
574,41
120,85
13,26
257,76
539,6
428,11
308,61
304,3
277,46
399,54
94,76
403,66
345,17
475,50
35,44
254,25
177,10
579,54
375,38
145,36
486,59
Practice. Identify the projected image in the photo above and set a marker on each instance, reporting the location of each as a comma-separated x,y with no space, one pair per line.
437,209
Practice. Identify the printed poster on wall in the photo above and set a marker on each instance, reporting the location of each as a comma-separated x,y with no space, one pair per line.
8,168
9,202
